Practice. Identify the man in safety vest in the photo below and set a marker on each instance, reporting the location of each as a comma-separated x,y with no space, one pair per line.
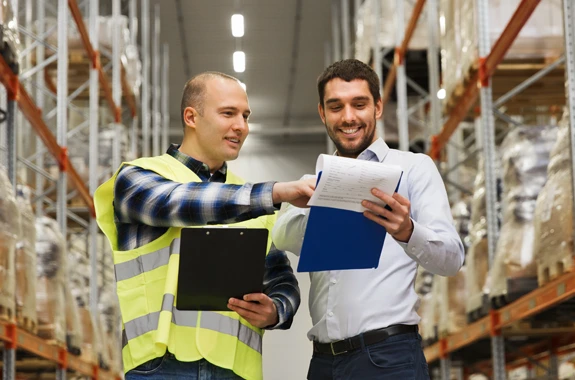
142,210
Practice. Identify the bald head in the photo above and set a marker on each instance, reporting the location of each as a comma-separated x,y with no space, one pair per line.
195,91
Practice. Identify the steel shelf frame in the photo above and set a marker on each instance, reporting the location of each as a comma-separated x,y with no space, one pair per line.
19,90
479,86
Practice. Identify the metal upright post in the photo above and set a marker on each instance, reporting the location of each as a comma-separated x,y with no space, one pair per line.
356,6
156,59
488,129
62,128
94,155
116,85
346,44
335,32
165,97
134,137
330,146
145,106
433,65
9,362
376,48
40,89
569,30
401,84
445,365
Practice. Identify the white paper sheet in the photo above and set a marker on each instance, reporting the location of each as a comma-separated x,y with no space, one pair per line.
345,182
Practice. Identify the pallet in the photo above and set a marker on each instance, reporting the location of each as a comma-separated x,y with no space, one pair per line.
516,288
26,323
7,313
480,312
553,268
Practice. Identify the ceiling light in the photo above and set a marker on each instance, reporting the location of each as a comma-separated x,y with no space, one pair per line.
441,93
239,61
237,25
243,85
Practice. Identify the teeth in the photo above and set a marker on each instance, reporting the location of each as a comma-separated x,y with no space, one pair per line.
234,140
349,131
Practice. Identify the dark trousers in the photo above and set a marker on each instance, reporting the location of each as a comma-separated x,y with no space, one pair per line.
398,357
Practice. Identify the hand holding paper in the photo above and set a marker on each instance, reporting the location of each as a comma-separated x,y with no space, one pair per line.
396,220
346,182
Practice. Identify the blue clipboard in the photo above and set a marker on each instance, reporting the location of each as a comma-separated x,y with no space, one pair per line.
338,239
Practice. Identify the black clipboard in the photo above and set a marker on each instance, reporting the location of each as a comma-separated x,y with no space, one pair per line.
219,263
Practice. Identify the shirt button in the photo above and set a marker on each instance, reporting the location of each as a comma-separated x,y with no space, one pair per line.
333,281
330,314
413,250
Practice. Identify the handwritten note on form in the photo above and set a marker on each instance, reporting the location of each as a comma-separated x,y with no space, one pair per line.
345,182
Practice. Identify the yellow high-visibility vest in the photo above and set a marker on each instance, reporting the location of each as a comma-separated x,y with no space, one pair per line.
147,282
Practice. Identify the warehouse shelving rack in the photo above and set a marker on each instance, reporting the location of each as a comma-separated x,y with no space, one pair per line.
550,296
489,334
34,81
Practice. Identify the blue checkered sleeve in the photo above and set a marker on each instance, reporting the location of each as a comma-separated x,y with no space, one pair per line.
144,197
281,286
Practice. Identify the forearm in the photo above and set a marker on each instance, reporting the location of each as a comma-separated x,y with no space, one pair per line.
147,198
289,230
440,252
280,284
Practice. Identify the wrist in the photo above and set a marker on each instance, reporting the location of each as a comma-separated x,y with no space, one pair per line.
276,193
404,236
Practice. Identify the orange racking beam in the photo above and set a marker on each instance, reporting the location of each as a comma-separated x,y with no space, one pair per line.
538,300
400,51
33,115
487,67
95,58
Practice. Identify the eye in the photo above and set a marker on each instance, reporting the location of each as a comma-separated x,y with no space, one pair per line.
360,105
335,108
228,113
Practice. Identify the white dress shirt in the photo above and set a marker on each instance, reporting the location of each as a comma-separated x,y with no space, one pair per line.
346,303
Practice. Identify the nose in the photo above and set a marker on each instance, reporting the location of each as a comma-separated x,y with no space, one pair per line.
348,115
240,125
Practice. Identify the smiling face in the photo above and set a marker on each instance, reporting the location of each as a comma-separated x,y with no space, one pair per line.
349,114
221,127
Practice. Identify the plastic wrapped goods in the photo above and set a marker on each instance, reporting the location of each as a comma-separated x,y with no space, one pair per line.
461,212
89,343
10,46
525,160
477,260
453,317
553,237
423,281
540,37
51,272
74,332
26,264
9,233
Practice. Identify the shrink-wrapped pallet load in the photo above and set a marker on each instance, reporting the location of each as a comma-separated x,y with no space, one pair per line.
110,316
74,332
525,158
461,212
541,37
553,237
26,315
453,316
9,233
51,272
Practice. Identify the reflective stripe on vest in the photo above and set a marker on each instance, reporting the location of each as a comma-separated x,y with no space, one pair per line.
188,318
146,263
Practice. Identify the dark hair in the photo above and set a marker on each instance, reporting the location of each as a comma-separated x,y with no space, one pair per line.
195,91
348,70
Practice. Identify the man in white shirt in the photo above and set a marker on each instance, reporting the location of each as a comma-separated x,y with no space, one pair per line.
365,321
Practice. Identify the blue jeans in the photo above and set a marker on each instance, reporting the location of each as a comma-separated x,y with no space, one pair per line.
168,367
398,357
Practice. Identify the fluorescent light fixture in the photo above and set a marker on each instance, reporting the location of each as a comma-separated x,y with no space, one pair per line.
441,93
239,61
243,85
237,25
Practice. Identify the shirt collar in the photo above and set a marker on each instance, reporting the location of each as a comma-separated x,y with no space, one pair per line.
378,149
198,167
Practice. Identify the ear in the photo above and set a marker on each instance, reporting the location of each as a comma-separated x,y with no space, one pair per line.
190,117
321,112
378,109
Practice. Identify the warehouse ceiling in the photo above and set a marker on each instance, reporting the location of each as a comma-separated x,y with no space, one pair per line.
284,45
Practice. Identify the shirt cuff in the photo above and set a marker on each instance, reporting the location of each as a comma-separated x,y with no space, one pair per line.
262,197
415,247
282,317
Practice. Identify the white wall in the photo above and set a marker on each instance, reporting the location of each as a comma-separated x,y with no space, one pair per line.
286,354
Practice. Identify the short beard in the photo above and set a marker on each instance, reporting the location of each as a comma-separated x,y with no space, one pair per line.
352,153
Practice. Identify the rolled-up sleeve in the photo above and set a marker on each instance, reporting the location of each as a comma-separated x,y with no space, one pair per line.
434,243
